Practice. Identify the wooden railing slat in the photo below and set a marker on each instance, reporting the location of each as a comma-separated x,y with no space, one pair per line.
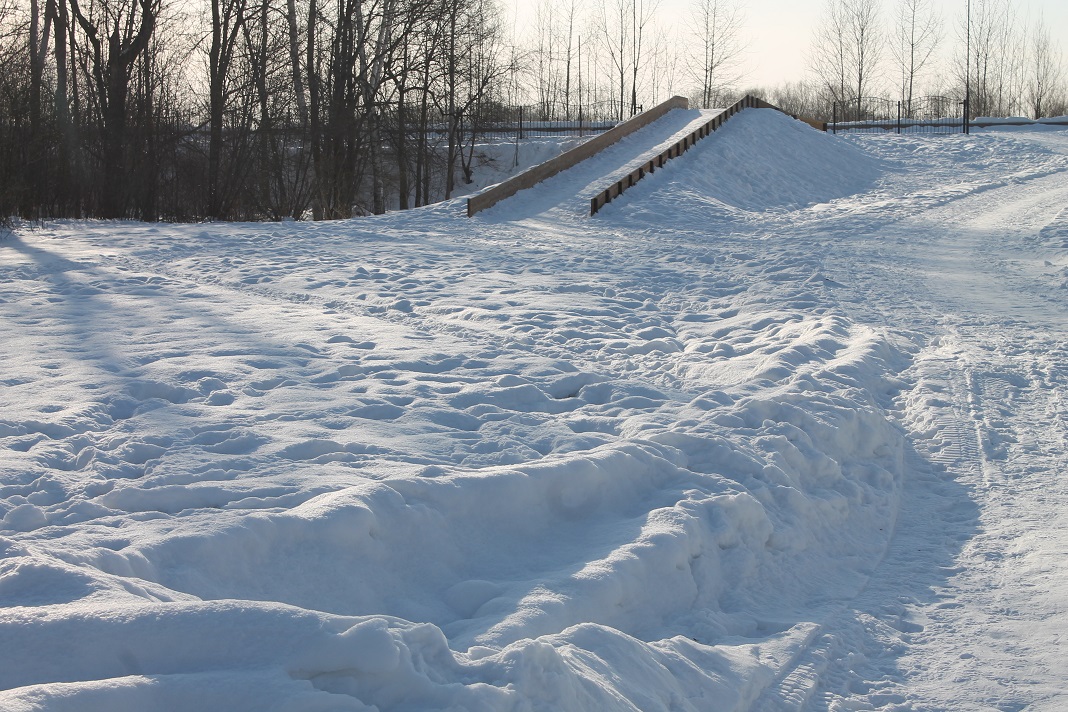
683,144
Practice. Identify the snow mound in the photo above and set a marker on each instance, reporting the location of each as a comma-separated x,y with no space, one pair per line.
565,196
760,160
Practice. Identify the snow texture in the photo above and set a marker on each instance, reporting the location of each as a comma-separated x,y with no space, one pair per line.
782,428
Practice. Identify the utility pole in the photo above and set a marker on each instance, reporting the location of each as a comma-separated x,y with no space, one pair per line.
968,68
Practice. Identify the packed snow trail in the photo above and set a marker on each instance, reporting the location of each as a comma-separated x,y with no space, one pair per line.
983,279
732,444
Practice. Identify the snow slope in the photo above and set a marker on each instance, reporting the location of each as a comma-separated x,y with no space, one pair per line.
782,428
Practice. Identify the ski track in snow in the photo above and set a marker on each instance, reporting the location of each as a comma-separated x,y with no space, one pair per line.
979,279
784,436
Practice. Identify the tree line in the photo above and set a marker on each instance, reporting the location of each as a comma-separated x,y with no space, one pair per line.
276,109
1004,63
240,109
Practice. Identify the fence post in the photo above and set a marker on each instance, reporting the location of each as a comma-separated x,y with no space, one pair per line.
834,117
964,123
899,117
520,122
515,160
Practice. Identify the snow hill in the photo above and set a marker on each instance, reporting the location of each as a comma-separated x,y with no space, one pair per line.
782,428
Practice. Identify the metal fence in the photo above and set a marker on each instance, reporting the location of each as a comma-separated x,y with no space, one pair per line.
926,114
497,121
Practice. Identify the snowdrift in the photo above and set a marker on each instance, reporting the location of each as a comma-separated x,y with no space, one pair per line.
670,548
760,160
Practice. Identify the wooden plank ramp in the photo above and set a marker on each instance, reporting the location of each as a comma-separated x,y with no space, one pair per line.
617,187
569,158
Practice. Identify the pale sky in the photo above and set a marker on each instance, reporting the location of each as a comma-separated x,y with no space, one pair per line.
780,31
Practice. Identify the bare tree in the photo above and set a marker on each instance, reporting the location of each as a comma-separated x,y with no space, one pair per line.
348,43
716,26
796,98
377,41
983,68
270,120
667,60
40,35
624,27
484,67
228,19
555,55
406,80
1011,64
917,32
1045,70
14,59
642,13
545,57
8,29
866,43
117,33
293,37
570,45
615,46
847,49
830,57
159,121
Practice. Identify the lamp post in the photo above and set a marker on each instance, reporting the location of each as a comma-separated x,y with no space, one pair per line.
968,68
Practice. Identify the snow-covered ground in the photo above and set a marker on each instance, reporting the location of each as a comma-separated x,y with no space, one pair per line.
783,428
499,159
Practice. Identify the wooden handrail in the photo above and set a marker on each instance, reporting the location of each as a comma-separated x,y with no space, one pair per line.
567,159
675,150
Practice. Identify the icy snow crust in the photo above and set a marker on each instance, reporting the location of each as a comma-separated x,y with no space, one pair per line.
715,448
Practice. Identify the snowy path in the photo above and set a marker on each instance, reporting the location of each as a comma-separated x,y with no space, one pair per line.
786,435
968,610
1001,305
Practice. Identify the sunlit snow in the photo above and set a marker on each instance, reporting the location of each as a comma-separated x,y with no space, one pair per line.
781,428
